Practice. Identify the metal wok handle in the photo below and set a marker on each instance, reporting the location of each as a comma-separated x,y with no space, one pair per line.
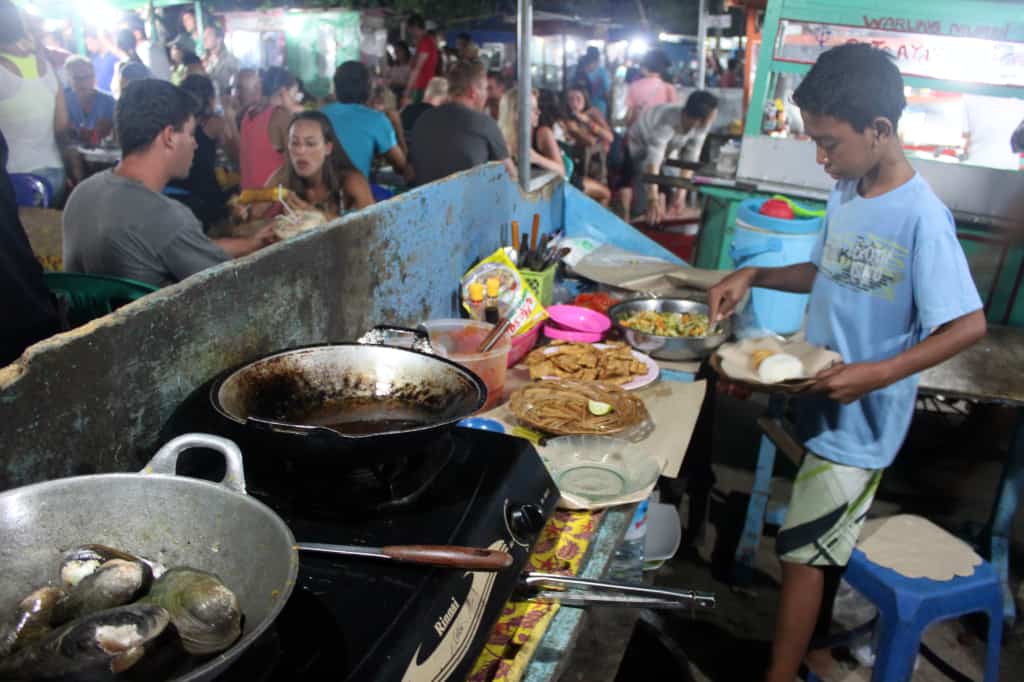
165,461
573,591
381,334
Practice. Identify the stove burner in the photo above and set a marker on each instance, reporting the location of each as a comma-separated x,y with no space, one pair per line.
393,483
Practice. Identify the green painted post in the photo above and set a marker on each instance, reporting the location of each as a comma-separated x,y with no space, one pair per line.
199,26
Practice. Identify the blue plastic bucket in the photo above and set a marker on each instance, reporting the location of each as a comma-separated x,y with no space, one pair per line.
764,241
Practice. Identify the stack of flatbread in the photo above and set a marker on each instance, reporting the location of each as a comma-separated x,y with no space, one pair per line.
612,363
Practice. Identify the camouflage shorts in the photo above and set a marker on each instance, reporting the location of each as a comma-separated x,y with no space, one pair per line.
826,512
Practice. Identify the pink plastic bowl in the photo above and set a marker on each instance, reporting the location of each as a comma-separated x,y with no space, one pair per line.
579,319
523,344
553,332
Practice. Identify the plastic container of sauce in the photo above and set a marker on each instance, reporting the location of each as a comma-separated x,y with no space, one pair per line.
458,340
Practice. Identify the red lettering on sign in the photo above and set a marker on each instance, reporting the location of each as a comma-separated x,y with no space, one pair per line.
903,24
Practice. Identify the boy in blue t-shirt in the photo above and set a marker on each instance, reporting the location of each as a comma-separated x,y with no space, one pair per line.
892,294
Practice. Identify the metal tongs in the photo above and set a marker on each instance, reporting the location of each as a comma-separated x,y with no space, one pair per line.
573,591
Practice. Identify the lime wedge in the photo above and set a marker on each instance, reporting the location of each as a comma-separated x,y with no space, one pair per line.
598,408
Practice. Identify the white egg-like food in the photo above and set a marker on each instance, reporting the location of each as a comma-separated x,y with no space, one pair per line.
780,367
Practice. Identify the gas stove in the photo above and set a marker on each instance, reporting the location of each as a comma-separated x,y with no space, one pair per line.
363,619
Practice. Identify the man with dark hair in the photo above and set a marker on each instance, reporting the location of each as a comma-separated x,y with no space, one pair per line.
457,135
221,65
365,133
891,292
424,63
28,311
497,84
660,132
118,223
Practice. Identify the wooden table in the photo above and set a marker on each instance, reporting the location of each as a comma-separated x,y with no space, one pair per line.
990,372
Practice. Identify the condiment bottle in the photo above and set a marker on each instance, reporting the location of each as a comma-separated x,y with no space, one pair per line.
491,312
476,300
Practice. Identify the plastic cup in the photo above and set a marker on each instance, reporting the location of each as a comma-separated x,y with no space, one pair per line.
459,339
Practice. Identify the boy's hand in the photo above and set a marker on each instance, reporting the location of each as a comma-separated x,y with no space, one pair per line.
726,295
848,383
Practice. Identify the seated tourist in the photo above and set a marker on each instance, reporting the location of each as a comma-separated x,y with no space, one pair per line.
365,133
91,111
201,191
118,223
318,173
544,149
435,95
458,135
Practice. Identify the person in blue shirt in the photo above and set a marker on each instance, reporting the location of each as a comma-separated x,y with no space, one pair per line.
91,111
364,132
598,78
891,292
104,61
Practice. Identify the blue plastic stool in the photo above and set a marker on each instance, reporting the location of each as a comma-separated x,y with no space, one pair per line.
907,606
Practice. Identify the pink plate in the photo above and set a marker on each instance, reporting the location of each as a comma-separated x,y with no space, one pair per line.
553,332
577,318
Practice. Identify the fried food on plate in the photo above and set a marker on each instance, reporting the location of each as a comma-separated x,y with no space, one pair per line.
612,363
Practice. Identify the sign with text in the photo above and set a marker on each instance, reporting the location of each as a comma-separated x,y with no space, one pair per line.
952,58
719,21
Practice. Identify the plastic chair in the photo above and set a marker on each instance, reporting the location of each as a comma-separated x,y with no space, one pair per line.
92,296
31,190
907,606
380,193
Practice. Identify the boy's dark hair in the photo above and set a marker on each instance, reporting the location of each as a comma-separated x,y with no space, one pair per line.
126,41
352,83
700,104
274,78
416,20
464,36
656,61
148,106
201,88
855,83
190,58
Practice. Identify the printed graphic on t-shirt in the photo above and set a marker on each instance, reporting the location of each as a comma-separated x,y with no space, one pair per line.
864,262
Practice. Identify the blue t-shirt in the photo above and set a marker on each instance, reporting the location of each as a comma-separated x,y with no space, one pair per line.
600,84
890,270
365,133
102,108
103,65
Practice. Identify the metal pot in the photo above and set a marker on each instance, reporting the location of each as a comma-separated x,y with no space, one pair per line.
175,520
352,395
668,347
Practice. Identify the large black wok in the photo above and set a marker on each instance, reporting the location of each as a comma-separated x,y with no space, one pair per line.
174,520
354,398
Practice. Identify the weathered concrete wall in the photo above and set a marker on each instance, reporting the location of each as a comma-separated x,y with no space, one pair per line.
93,400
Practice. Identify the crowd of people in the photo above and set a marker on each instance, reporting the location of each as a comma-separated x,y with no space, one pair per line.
193,131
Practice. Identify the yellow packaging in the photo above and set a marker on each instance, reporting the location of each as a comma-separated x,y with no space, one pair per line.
516,298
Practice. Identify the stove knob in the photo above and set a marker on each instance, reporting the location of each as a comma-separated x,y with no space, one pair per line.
525,520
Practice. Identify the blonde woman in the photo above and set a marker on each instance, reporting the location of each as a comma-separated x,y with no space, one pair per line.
544,151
